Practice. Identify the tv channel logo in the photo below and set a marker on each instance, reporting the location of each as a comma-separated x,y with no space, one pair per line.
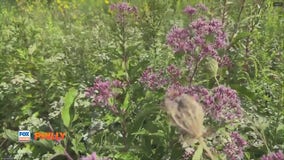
24,136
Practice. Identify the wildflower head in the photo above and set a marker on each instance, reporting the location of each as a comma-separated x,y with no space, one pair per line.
189,10
224,104
93,156
273,156
122,11
179,40
153,80
201,38
234,148
201,6
174,72
100,92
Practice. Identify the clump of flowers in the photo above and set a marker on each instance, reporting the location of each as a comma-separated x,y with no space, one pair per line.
174,72
234,149
123,10
179,40
190,10
94,156
273,156
201,38
102,91
221,103
224,104
153,80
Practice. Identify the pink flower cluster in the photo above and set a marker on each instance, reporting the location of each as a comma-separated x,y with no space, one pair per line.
153,80
189,10
94,156
224,104
122,11
274,156
234,149
221,103
102,91
202,35
157,80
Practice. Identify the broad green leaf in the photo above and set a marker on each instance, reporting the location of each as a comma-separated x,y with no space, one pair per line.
68,101
126,101
10,134
212,66
44,143
280,128
198,153
59,149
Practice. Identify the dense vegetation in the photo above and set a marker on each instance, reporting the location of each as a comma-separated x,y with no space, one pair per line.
101,72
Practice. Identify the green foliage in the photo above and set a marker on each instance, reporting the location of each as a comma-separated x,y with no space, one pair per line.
51,51
66,116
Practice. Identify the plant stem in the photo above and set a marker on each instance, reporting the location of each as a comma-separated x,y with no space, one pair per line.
216,80
67,155
204,145
194,72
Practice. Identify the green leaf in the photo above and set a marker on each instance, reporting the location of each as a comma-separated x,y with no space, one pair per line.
280,128
68,101
198,153
126,101
10,134
44,143
59,149
212,66
78,146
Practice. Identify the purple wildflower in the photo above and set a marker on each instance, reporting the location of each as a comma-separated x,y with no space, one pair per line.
207,35
198,92
100,92
189,10
273,156
118,84
123,10
174,72
201,6
224,104
93,156
175,90
152,79
221,103
224,61
179,40
234,149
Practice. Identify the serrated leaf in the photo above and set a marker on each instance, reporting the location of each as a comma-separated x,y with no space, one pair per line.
68,101
198,153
